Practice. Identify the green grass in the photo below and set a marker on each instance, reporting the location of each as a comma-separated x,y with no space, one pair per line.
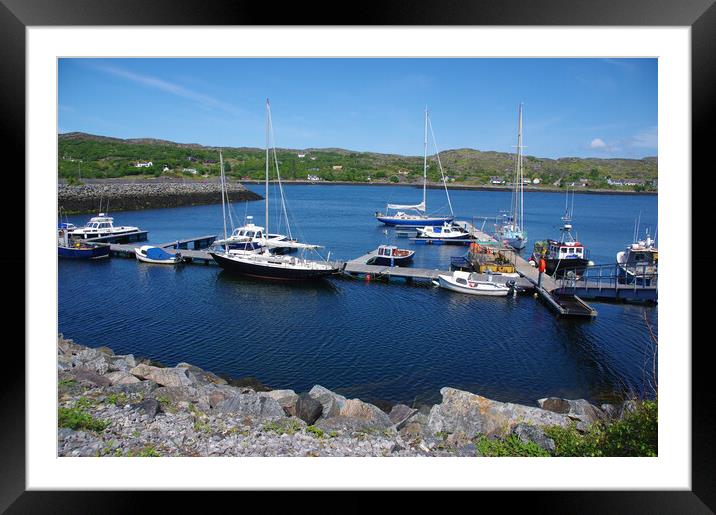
315,431
509,446
77,418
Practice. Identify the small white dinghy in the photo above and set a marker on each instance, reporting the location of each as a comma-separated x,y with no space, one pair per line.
468,282
149,254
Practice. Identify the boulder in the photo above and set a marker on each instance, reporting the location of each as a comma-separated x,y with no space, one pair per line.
372,415
87,376
348,425
529,433
121,377
286,398
68,347
473,414
610,410
626,408
252,405
308,409
332,402
91,359
176,394
400,414
123,363
198,375
162,376
579,410
106,351
150,407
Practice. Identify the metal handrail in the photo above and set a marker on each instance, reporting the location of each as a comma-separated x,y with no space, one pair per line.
613,276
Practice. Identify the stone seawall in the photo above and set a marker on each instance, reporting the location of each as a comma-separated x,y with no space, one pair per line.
118,405
129,196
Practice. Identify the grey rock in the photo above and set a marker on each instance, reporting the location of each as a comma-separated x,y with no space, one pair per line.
627,408
286,398
87,376
176,394
332,402
198,375
529,433
252,405
466,451
580,410
144,388
121,377
162,376
122,363
372,415
473,414
308,409
150,407
400,414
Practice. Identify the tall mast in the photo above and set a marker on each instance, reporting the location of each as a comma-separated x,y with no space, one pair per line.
520,171
268,108
425,158
223,199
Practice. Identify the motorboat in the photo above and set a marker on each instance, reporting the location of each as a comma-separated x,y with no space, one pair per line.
101,225
638,263
69,248
390,255
447,231
471,283
157,255
248,237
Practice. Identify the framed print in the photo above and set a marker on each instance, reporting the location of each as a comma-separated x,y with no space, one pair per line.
275,271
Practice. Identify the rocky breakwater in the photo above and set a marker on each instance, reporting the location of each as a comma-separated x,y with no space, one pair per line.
121,196
117,405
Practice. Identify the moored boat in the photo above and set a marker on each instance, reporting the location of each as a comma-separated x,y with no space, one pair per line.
390,255
77,249
101,225
446,231
470,283
638,263
157,255
265,262
417,216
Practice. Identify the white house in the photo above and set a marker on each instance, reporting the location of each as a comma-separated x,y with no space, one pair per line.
165,169
144,165
497,180
313,177
337,167
190,170
301,156
536,180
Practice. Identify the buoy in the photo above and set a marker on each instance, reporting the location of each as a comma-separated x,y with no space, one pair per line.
367,277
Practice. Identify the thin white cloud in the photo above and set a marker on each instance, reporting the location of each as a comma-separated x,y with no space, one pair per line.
597,143
171,88
648,138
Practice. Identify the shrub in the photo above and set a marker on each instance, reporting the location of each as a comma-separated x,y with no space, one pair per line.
510,446
76,418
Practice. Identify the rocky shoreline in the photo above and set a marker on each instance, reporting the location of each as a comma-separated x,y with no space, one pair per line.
117,405
134,195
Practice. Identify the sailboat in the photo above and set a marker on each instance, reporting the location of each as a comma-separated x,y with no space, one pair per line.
418,217
512,230
265,262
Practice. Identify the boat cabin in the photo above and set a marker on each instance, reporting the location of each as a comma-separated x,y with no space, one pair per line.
565,250
391,251
100,222
249,232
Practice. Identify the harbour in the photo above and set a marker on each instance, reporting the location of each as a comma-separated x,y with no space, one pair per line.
348,304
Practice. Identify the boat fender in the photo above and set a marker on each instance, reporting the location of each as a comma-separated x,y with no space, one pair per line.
367,277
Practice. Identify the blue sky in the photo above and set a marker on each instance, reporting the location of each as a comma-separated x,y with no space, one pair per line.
572,107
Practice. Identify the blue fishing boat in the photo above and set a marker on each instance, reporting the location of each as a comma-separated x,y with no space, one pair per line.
416,213
74,249
390,255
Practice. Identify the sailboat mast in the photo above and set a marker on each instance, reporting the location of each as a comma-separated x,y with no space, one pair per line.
520,172
268,108
223,198
425,158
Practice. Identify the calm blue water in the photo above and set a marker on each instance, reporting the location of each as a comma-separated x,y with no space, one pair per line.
368,340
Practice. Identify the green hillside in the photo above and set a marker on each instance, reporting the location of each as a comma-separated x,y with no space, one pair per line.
91,156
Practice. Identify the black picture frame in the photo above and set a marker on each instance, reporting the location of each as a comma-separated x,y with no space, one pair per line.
700,15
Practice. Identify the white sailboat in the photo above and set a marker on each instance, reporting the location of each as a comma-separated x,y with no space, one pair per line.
264,262
512,230
417,217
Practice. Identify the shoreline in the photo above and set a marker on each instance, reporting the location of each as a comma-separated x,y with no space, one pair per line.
117,405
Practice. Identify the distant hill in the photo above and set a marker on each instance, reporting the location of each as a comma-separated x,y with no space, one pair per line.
94,156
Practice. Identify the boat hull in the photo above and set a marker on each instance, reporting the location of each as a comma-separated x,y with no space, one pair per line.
516,243
487,291
559,268
271,273
394,261
416,222
97,252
